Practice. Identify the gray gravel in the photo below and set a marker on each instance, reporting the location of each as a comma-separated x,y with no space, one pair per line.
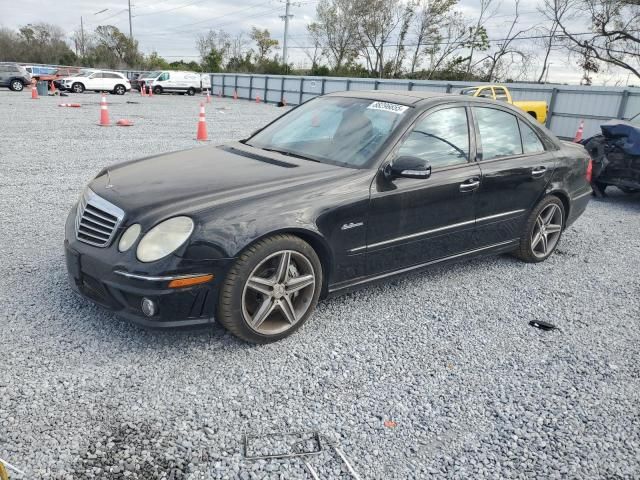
475,392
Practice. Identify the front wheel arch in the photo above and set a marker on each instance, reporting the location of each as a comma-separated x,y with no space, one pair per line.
314,239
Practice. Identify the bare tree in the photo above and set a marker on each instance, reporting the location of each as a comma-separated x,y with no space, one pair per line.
614,37
337,31
408,14
478,31
378,20
315,53
506,49
432,18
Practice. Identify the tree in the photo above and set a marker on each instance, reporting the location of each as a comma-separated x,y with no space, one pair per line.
36,43
614,37
215,48
114,49
378,20
432,18
395,67
337,31
478,32
506,49
264,42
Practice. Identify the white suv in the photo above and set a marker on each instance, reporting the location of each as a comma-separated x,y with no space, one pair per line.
98,81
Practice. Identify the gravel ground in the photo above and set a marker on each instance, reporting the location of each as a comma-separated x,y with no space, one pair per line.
447,355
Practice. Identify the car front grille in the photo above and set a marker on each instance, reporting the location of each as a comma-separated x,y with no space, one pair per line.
97,220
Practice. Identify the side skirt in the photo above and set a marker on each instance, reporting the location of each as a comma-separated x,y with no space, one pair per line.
494,249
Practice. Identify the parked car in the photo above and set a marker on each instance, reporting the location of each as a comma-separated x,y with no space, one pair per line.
134,78
538,109
97,81
344,190
14,76
616,155
170,81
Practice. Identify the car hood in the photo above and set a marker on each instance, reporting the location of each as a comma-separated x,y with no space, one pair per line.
191,180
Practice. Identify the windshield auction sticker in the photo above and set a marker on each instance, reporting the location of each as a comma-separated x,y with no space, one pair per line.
388,107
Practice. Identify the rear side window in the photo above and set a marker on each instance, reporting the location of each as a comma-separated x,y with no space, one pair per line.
442,138
499,133
530,141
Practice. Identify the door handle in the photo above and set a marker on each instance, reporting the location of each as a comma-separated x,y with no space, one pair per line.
538,172
470,184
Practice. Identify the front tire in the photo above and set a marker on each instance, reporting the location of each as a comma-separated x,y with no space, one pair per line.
157,90
271,290
542,231
77,88
16,85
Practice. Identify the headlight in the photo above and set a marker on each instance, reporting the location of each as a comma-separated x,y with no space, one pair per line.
164,238
129,237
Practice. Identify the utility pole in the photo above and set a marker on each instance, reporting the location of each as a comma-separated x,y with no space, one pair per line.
130,28
286,18
81,37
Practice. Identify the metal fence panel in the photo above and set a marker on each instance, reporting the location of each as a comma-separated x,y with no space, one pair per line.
567,107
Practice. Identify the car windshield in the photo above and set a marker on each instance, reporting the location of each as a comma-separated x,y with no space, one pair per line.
336,130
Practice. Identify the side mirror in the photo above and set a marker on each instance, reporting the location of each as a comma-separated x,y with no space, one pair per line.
409,167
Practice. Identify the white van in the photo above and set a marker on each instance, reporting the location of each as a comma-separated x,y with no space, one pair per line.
176,81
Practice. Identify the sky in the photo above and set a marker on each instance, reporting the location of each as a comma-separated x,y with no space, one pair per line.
170,27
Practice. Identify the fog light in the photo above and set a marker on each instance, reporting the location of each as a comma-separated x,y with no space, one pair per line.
148,307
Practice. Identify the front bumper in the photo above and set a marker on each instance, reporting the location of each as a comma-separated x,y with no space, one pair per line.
97,274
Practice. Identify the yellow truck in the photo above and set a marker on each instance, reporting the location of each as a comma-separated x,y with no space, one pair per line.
538,109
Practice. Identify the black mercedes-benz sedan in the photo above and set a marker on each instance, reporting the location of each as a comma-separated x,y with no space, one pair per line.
343,190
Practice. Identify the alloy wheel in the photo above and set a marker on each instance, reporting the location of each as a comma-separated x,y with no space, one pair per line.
17,86
278,292
546,231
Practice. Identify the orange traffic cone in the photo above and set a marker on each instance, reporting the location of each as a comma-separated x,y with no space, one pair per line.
104,112
202,125
208,97
235,94
34,92
142,88
150,91
257,98
53,87
579,132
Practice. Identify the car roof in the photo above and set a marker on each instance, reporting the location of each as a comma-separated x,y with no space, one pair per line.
410,97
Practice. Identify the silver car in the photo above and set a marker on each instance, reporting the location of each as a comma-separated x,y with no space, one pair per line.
14,76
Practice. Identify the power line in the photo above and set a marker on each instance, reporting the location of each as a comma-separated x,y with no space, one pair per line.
171,9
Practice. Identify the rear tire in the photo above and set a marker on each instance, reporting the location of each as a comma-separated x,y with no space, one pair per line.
16,85
191,92
271,290
542,231
119,90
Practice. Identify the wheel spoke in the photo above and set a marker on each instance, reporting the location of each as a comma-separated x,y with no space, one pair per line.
263,312
552,228
288,310
548,216
259,284
298,283
545,243
282,273
536,240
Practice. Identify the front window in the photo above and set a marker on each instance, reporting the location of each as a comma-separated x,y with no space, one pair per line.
336,130
442,138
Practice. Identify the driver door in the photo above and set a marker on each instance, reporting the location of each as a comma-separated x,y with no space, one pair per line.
414,221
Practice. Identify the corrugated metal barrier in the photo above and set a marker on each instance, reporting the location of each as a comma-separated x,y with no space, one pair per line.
568,104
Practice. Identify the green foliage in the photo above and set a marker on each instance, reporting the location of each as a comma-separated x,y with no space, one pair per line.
264,42
212,62
37,43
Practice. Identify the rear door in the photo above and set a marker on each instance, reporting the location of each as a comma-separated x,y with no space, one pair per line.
516,167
